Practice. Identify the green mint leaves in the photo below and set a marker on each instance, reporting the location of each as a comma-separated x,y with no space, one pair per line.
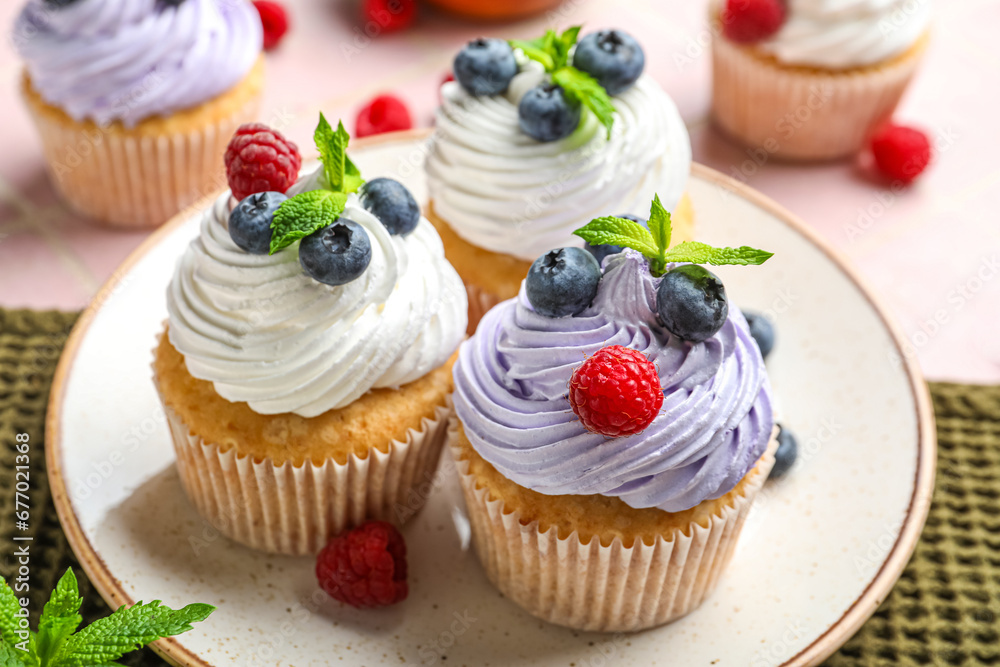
552,51
309,212
654,243
303,215
58,644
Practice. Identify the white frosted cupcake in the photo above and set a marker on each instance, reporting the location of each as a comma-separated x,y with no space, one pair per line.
508,181
307,389
812,79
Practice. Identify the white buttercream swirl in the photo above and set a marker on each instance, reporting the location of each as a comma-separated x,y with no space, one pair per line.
502,190
840,34
266,334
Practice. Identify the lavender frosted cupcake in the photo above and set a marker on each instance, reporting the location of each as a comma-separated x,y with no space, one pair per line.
610,455
135,99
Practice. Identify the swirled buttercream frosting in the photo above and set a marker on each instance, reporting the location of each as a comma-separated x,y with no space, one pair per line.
265,333
847,33
511,386
501,190
127,60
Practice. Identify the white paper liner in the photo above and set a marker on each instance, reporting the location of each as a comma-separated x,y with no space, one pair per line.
129,180
480,302
603,588
295,510
800,113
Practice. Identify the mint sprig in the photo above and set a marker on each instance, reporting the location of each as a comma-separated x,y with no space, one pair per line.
552,51
58,644
309,212
654,243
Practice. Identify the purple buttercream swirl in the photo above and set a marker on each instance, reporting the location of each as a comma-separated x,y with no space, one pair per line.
127,60
512,379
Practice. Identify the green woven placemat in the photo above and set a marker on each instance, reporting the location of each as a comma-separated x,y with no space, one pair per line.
945,610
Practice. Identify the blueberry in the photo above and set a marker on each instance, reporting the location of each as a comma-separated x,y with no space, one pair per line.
601,251
250,221
336,254
762,331
788,451
392,204
546,114
691,303
485,66
563,282
612,57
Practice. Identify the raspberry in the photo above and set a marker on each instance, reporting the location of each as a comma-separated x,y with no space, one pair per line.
274,18
616,392
364,567
390,15
259,159
746,21
901,153
385,113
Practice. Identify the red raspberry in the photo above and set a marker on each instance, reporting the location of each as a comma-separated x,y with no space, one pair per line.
274,18
390,15
616,392
746,21
901,153
385,113
365,567
259,159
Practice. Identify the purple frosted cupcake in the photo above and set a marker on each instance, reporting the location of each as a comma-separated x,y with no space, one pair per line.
135,100
607,485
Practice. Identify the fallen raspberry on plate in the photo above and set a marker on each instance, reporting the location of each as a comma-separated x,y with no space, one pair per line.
901,153
365,567
385,113
616,392
259,159
274,18
390,15
747,21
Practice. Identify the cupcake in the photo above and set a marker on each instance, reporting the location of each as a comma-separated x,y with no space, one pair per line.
812,79
135,100
613,428
533,137
305,369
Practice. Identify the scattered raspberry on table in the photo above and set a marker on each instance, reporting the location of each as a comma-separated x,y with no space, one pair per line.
901,153
390,15
616,392
385,113
259,159
365,567
274,18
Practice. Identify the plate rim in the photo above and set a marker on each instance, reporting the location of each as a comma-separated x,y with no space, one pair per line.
172,650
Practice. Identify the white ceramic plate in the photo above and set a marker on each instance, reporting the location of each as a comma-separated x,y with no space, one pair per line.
821,550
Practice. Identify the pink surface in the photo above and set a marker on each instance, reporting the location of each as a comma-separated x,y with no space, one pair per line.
931,251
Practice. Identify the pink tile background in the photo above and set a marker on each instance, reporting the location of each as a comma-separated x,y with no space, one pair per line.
930,252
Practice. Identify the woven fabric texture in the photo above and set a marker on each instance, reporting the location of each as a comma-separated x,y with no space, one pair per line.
945,610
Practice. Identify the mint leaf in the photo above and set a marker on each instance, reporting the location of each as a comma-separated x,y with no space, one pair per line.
659,225
60,617
584,88
618,231
535,50
10,656
341,174
304,214
563,44
10,607
702,253
127,629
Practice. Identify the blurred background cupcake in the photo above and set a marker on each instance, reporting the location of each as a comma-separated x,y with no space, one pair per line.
813,79
135,100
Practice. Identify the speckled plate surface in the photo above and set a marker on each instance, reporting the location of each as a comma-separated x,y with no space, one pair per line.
821,549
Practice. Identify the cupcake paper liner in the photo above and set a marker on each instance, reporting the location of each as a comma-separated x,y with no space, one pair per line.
603,588
480,302
296,509
800,113
128,179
